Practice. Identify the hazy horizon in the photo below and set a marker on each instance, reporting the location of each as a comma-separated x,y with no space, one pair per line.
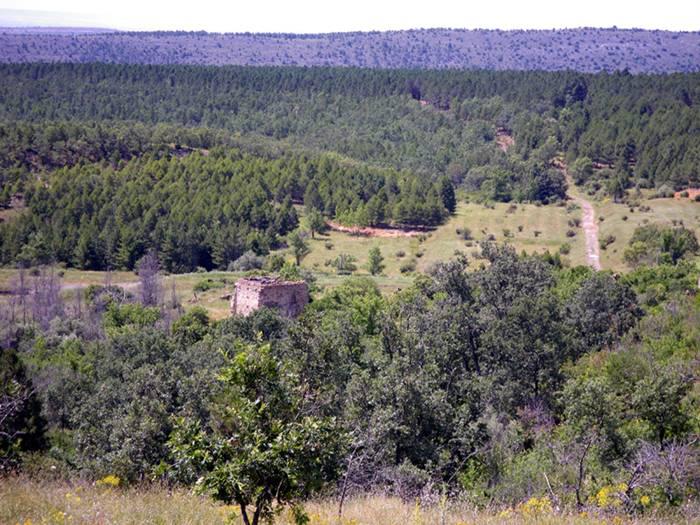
312,16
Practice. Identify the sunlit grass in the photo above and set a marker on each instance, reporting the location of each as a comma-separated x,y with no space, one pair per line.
25,501
620,222
534,229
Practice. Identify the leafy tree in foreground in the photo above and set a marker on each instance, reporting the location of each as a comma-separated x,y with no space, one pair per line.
21,425
262,447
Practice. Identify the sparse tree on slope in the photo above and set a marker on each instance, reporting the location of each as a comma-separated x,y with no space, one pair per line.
375,265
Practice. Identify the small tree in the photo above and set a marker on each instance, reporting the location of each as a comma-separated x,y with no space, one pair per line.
316,222
148,270
447,194
300,247
375,264
344,264
261,448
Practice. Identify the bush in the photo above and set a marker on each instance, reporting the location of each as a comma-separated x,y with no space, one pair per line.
208,284
408,266
246,262
344,264
465,233
274,262
328,245
400,254
570,233
565,249
606,241
664,192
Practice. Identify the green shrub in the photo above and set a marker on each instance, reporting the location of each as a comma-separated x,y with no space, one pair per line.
208,284
408,266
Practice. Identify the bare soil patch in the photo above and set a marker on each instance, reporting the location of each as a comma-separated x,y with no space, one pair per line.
376,232
692,193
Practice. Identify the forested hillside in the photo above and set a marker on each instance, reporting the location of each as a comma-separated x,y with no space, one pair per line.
204,210
585,49
110,161
645,127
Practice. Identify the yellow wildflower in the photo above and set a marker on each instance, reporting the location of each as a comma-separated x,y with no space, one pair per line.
537,506
109,481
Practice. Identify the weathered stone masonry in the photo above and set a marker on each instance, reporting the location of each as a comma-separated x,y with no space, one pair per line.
288,297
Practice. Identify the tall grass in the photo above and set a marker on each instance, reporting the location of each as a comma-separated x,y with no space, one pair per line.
28,502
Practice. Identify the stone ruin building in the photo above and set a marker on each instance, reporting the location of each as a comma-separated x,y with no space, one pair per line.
252,293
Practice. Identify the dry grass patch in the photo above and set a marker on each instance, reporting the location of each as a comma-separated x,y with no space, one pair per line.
25,501
534,229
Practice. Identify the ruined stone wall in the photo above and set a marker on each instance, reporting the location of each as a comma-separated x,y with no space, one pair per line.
254,293
245,298
288,298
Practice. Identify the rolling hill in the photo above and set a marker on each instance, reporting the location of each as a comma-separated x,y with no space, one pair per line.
584,49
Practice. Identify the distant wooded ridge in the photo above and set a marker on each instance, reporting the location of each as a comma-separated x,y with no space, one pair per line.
583,49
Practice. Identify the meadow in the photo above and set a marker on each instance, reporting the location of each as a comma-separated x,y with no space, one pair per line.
528,228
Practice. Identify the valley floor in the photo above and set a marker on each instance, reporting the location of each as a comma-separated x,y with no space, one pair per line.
527,227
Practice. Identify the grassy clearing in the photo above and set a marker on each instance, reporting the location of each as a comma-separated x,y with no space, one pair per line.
520,222
620,222
74,278
25,502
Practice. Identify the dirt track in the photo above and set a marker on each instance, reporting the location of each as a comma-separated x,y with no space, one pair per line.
588,223
590,228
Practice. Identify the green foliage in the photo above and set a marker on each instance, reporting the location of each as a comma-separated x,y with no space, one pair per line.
214,210
656,284
192,326
208,284
656,244
316,221
344,264
480,380
22,427
260,451
300,247
602,310
375,261
130,316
